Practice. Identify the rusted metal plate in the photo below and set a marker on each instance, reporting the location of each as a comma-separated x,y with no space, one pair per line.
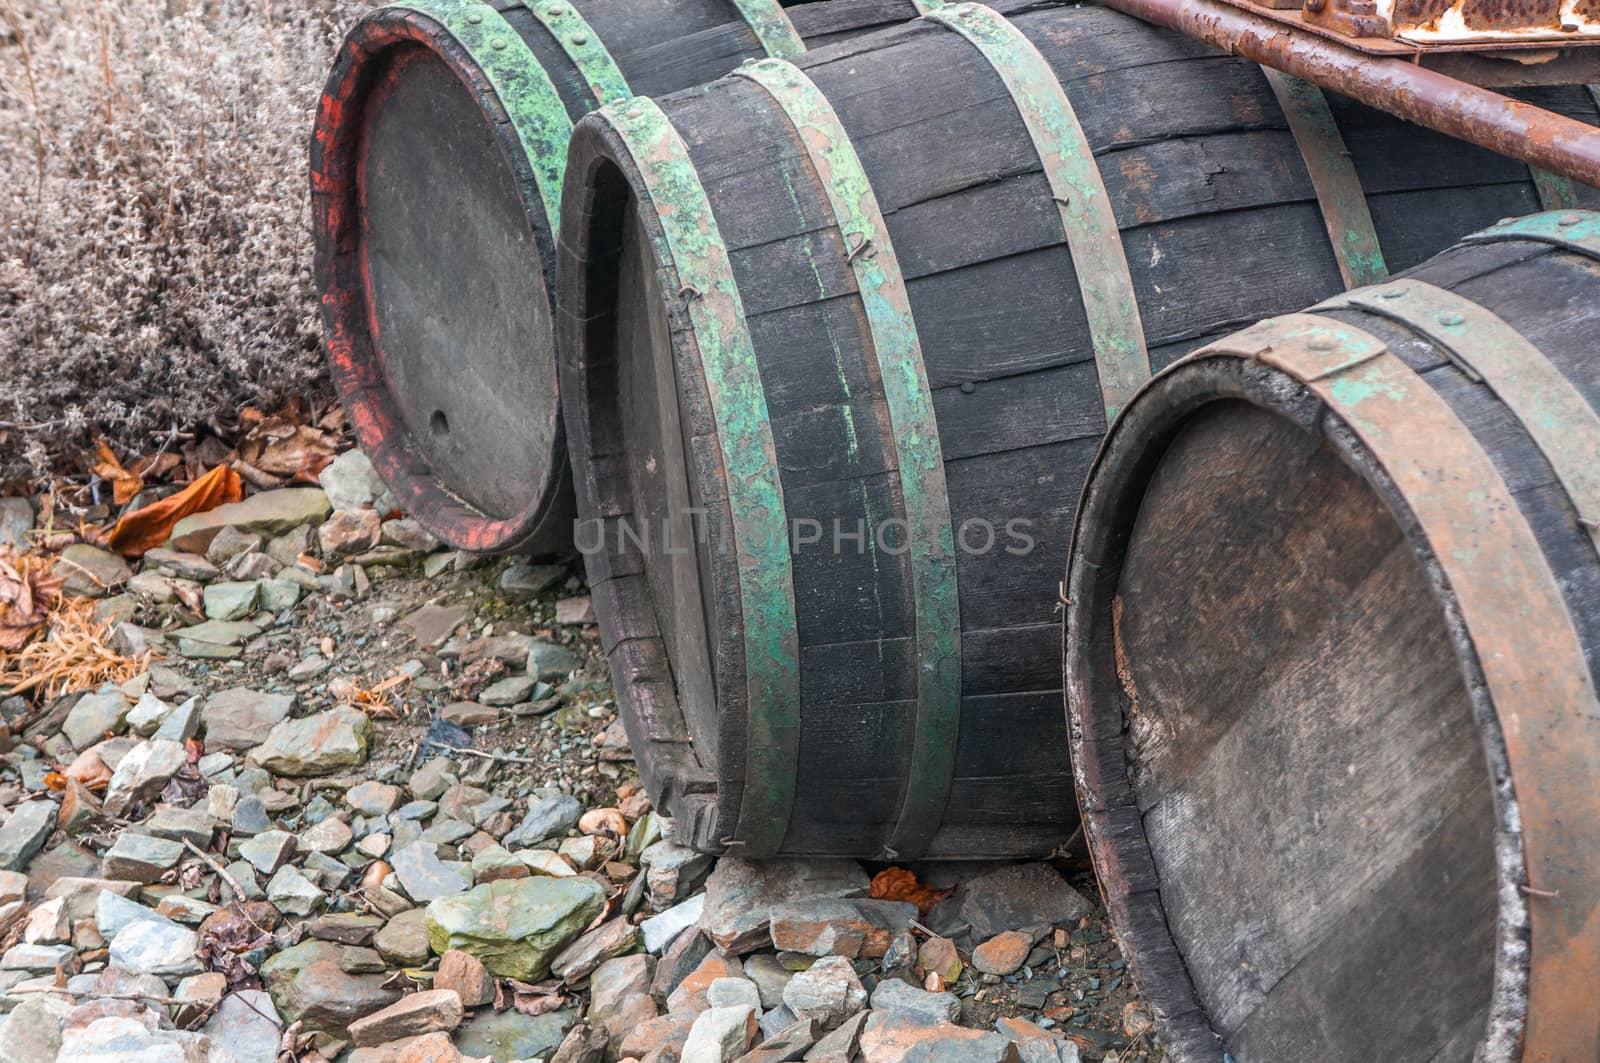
693,249
586,50
1561,424
1104,282
1533,666
1339,193
930,538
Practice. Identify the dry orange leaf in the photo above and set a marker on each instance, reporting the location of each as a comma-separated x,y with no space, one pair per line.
124,484
899,884
149,527
28,591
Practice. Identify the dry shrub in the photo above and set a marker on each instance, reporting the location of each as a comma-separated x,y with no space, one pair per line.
155,268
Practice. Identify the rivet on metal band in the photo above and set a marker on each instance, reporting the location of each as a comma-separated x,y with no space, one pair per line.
1573,230
692,246
520,83
1558,420
584,47
1533,665
771,25
1333,177
914,438
1109,302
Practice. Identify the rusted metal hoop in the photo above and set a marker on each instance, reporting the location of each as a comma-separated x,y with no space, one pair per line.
913,438
584,47
772,27
1558,420
692,248
1523,638
1109,301
1340,196
1575,230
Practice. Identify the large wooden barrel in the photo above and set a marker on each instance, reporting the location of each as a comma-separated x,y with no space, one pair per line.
842,295
1331,651
436,168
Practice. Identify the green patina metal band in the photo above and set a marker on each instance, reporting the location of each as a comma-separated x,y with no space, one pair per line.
1109,302
586,50
1574,230
1555,192
914,438
692,245
925,6
772,27
1333,177
1556,417
519,82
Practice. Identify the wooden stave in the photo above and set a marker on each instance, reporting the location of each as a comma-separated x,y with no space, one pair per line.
1558,1022
594,150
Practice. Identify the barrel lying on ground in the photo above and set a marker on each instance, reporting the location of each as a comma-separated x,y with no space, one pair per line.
1331,656
836,301
436,177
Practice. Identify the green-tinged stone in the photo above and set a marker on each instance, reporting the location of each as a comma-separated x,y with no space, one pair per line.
515,926
316,745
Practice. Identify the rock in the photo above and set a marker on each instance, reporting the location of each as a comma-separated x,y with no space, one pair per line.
1018,896
239,718
465,975
373,798
832,927
144,773
895,1038
720,1035
13,886
349,532
1002,954
181,724
268,513
789,1043
468,714
575,610
894,995
154,946
351,482
90,572
828,992
692,994
231,600
230,543
39,959
406,534
147,714
673,871
1035,1044
424,876
840,1045
182,565
508,691
515,927
433,624
201,995
428,1048
665,1036
317,745
431,1011
606,941
740,894
125,1039
269,850
25,833
32,1032
277,596
248,1025
510,1035
614,981
95,716
734,992
583,1044
333,835
660,930
551,660
404,941
140,858
769,976
309,984
347,928
48,924
294,894
549,814
113,912
521,580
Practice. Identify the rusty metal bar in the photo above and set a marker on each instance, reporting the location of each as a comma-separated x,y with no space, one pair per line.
1510,127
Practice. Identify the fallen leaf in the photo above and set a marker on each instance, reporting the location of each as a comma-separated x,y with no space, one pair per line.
28,591
149,527
124,484
899,884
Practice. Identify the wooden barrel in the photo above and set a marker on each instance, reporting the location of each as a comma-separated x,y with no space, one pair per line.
1331,650
835,301
436,167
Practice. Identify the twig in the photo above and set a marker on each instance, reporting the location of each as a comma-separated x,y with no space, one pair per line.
504,757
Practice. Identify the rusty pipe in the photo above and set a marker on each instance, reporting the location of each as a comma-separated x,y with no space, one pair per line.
1532,134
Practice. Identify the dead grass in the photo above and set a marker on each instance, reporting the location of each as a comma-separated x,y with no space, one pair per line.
154,222
75,654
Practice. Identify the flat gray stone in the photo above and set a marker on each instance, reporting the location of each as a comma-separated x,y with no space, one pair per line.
240,718
25,833
95,715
